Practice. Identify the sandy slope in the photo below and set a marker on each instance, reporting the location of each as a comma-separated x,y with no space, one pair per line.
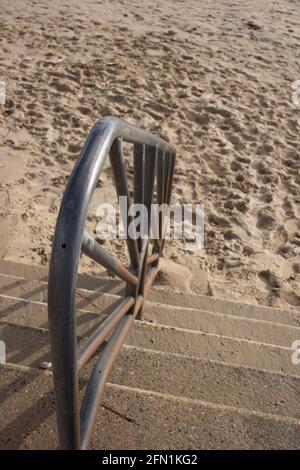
196,72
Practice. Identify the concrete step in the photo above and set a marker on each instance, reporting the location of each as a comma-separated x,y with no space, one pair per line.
162,295
213,347
188,376
28,271
222,324
30,346
219,372
33,313
37,290
205,380
229,384
224,306
126,419
40,273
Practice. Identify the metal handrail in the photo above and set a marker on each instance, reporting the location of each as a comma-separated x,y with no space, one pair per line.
153,159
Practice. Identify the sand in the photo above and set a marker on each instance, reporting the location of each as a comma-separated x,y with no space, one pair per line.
213,78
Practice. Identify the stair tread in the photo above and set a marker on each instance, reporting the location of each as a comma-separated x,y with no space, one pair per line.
207,380
34,313
18,287
162,295
30,345
220,372
127,412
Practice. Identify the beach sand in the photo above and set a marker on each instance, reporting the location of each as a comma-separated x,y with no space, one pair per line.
213,78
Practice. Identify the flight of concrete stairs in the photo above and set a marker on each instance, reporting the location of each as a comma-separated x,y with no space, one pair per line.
196,373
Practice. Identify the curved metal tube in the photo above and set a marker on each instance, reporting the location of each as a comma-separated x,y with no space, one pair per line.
64,265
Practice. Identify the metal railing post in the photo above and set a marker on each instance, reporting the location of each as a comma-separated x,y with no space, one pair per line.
152,157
